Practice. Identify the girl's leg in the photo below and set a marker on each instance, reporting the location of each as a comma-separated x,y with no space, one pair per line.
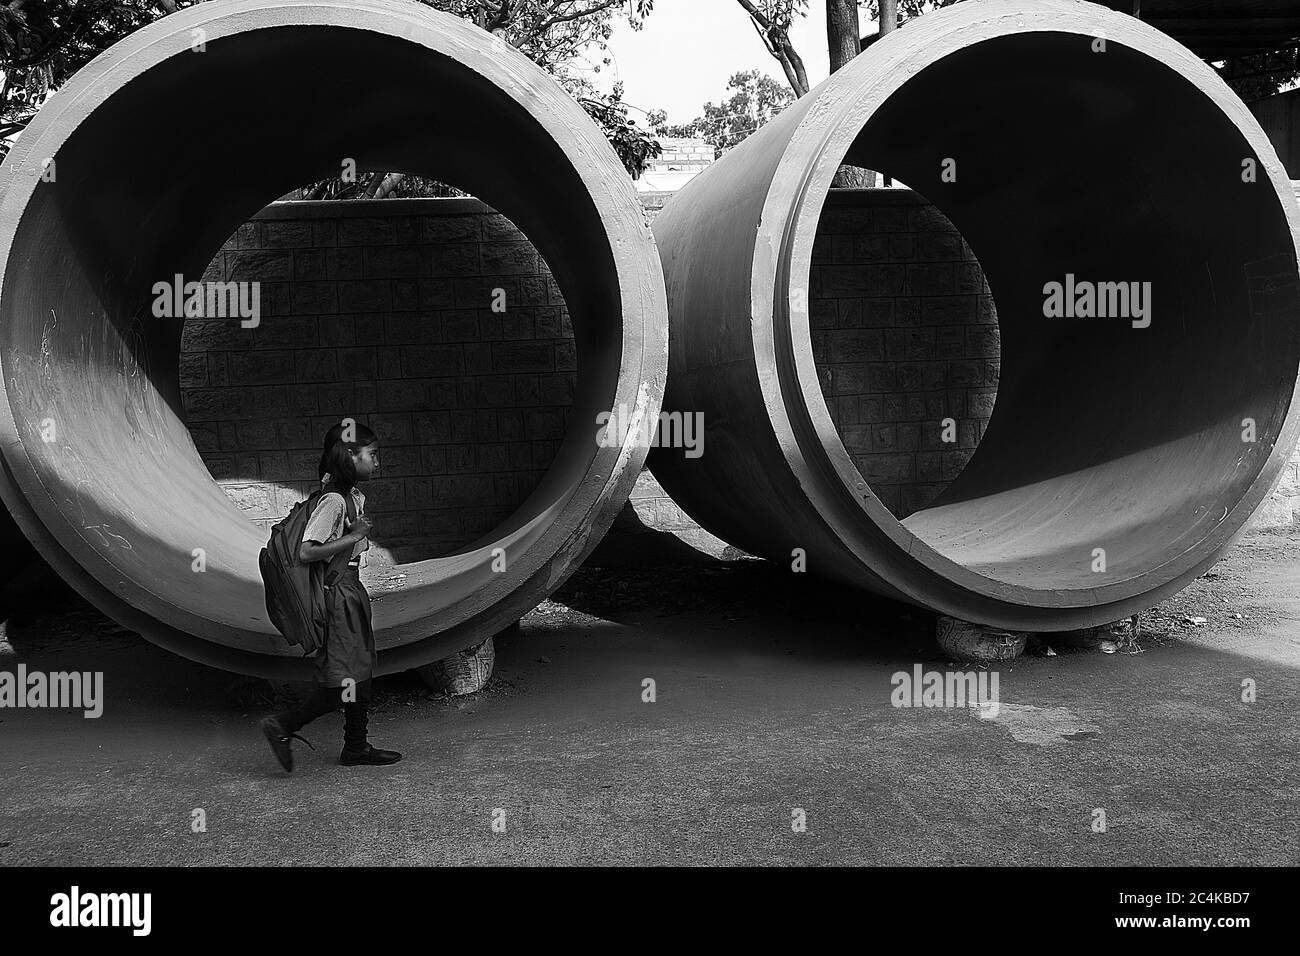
356,717
281,728
319,702
354,653
356,749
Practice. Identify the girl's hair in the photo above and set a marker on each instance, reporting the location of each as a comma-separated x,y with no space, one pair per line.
335,459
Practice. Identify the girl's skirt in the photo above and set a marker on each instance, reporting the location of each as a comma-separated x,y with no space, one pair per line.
349,650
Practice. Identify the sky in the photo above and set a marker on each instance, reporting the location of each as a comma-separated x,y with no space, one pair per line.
687,50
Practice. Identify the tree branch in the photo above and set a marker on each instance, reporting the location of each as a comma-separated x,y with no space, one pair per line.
797,62
764,37
756,14
790,75
574,15
776,38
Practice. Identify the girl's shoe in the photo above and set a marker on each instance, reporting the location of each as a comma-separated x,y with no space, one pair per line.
279,740
370,757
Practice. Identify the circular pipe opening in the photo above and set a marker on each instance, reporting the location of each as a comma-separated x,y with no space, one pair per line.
1139,424
280,93
1125,453
433,321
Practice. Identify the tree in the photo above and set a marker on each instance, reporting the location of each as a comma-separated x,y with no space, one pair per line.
843,34
844,41
757,98
43,42
1251,89
629,141
888,16
772,19
905,10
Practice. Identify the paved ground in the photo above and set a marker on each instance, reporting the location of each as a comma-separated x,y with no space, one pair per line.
772,694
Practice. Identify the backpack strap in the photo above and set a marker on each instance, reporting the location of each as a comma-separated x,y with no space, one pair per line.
340,560
348,501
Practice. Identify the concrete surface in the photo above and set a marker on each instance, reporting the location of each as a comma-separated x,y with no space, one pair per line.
772,694
119,499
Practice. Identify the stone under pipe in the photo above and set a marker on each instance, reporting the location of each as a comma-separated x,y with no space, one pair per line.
1069,144
166,143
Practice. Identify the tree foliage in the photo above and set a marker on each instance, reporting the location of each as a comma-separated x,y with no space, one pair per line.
44,42
755,100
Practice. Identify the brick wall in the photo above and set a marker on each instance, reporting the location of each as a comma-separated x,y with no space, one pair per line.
905,336
384,312
388,317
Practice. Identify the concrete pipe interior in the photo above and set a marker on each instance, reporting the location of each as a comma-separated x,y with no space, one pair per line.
1113,467
1109,166
160,152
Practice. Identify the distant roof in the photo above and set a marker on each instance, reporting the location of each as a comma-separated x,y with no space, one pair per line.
1222,29
684,142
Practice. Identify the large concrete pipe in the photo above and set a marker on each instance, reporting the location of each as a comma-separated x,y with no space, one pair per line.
1063,140
166,143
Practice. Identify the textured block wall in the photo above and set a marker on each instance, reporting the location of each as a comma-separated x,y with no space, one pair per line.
904,336
384,311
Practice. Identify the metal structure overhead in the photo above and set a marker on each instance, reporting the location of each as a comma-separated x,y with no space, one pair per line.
1220,29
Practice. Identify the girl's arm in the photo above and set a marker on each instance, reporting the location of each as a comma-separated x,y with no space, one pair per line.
311,551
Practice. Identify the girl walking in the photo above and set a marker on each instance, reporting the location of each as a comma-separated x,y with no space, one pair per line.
345,664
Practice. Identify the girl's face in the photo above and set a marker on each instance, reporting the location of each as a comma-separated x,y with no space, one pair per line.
366,461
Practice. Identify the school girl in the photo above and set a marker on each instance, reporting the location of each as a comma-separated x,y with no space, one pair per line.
345,665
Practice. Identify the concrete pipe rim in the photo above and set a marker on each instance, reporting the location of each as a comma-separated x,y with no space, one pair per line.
546,538
814,447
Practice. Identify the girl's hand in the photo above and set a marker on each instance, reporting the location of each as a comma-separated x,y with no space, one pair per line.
360,528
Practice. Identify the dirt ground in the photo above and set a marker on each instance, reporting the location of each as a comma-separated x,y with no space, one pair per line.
772,696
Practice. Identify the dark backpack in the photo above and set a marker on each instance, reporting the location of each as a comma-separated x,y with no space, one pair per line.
295,595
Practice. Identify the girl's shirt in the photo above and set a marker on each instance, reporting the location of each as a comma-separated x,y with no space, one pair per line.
327,521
